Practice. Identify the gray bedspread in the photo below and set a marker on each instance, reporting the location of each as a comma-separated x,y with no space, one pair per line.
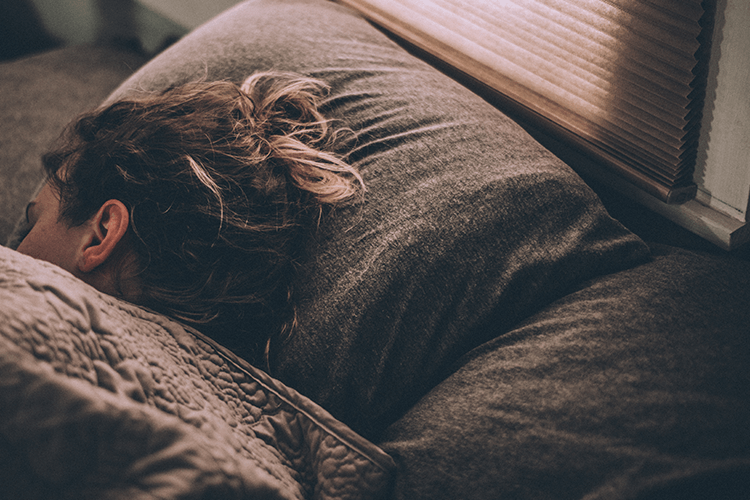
102,399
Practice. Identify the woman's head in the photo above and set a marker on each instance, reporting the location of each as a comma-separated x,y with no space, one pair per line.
219,185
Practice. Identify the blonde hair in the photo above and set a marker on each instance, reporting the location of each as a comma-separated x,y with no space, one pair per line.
224,183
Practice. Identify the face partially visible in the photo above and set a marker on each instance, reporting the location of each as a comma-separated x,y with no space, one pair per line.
50,238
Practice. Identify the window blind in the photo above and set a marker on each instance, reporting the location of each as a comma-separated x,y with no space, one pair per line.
624,80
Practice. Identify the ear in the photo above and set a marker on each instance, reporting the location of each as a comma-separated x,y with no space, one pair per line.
106,230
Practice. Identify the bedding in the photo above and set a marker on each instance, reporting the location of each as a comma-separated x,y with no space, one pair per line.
480,321
102,399
468,224
635,386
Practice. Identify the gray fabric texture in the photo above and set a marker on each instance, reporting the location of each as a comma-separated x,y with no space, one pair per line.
468,224
102,399
39,95
635,386
631,384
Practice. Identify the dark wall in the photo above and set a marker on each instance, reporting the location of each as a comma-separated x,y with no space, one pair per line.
21,30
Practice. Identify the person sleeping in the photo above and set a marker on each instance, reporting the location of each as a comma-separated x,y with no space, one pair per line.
196,202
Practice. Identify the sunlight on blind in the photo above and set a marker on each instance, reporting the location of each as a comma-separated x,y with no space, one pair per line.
617,77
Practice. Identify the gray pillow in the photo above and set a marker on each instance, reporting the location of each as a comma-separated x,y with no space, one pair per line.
468,226
633,387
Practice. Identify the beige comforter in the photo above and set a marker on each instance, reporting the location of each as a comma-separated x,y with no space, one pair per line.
102,399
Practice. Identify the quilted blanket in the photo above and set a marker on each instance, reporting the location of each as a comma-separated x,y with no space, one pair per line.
103,399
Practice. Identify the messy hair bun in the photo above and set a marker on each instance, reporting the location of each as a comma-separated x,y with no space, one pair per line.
223,184
300,136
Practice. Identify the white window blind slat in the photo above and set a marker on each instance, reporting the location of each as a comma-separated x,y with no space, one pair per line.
609,32
621,24
558,40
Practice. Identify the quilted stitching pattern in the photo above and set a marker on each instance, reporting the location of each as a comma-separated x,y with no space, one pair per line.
153,360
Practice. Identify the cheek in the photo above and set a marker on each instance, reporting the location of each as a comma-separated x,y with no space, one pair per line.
31,244
49,244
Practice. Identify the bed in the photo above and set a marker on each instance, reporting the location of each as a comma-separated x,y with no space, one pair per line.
479,327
